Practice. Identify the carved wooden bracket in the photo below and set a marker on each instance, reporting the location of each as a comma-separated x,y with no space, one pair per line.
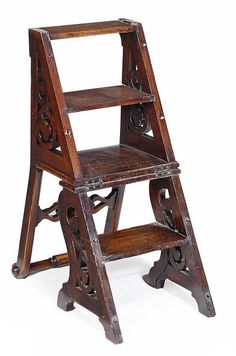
45,125
102,202
50,213
96,201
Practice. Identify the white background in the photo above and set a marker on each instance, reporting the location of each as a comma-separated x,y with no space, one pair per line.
192,47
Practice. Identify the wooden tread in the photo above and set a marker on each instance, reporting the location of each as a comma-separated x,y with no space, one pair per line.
124,243
138,240
120,164
104,97
89,29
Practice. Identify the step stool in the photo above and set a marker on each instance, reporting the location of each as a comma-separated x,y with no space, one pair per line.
139,156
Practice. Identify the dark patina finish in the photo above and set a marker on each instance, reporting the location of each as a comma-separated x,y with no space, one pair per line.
144,153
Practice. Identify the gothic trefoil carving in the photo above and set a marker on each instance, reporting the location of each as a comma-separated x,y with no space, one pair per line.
45,126
84,278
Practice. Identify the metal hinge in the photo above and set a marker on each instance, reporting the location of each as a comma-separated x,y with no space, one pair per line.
94,183
166,172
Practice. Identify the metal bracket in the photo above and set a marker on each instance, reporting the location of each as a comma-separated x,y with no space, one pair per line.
166,172
95,183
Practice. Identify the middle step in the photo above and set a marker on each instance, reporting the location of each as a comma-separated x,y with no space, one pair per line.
98,98
120,164
124,243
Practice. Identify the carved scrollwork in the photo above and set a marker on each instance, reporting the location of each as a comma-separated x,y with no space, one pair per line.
177,259
138,120
134,79
97,202
84,279
43,100
45,124
167,213
46,132
50,213
172,258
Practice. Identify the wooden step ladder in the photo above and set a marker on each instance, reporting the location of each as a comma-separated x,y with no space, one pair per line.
139,156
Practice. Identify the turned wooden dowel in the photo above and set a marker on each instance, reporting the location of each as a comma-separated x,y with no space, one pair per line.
56,261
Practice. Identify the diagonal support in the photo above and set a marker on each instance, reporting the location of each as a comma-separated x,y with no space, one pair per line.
181,265
88,283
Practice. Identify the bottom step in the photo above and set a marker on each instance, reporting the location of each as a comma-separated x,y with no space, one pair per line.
121,244
138,240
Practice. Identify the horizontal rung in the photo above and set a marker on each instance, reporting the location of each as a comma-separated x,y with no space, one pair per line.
124,243
89,29
138,240
52,262
90,99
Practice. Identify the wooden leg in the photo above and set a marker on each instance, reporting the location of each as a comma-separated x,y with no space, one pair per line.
21,268
113,213
88,283
182,265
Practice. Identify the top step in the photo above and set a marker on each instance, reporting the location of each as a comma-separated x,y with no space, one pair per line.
90,29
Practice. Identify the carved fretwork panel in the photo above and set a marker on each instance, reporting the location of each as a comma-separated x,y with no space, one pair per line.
141,125
138,77
84,278
46,133
138,120
78,245
167,212
177,259
181,265
165,204
88,283
174,258
134,77
52,143
138,72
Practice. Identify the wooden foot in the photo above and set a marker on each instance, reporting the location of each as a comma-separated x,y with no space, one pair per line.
153,283
64,301
204,302
156,276
88,283
181,265
22,267
183,276
112,330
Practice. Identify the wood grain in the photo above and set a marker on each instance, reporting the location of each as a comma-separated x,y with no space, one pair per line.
124,243
138,240
104,97
144,153
89,29
116,159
